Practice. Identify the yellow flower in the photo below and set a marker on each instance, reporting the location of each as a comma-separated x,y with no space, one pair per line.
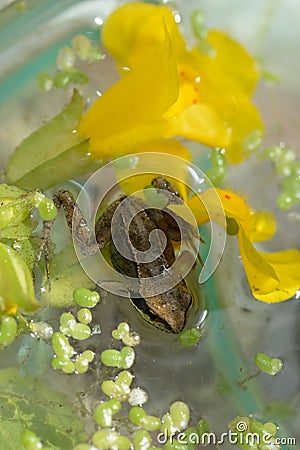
128,115
169,91
273,277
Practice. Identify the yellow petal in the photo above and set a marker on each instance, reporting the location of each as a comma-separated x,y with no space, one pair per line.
261,226
273,277
214,105
135,28
261,275
200,123
142,96
130,183
229,65
227,77
286,265
226,202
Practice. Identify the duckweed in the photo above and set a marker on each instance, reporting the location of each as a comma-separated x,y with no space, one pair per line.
47,210
110,358
110,440
198,24
203,426
70,327
82,46
265,433
180,415
67,366
81,364
65,62
63,350
137,397
232,227
167,424
188,338
61,79
122,359
104,412
267,364
217,158
218,172
124,334
78,77
83,447
266,428
86,298
127,357
61,345
120,388
176,445
286,165
41,329
67,323
88,355
65,58
252,142
44,81
142,440
216,175
138,417
80,332
84,315
30,440
177,419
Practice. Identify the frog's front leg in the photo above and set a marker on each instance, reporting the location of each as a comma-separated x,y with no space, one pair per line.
78,225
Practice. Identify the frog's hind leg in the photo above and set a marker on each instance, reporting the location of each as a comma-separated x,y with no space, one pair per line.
45,247
76,223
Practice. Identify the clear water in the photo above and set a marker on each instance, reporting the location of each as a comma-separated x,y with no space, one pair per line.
207,377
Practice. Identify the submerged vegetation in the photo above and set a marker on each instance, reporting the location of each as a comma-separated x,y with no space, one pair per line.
175,90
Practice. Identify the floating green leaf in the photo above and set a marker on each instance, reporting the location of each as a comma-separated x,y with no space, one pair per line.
53,153
28,403
65,274
16,285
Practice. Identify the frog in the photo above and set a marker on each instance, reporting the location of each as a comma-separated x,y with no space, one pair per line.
166,311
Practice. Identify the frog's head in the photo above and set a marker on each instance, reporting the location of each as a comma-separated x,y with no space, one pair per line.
166,311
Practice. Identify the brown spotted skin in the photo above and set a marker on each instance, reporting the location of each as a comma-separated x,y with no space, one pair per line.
170,308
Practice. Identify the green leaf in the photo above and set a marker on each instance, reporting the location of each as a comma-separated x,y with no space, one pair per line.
8,192
23,248
15,205
53,153
69,164
66,274
21,231
28,403
34,356
16,284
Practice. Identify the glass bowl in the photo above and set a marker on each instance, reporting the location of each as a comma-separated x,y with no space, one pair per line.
217,377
